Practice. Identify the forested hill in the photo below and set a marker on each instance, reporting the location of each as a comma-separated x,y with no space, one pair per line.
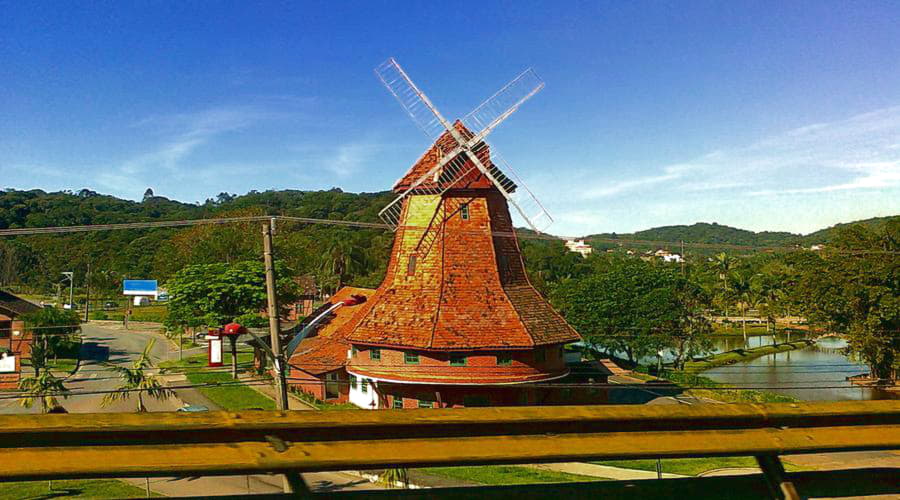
36,208
334,254
713,233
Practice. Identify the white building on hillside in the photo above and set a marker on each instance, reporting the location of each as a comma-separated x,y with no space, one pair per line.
579,246
667,256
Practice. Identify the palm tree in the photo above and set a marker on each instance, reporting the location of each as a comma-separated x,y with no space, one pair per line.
724,264
44,388
342,258
136,380
743,292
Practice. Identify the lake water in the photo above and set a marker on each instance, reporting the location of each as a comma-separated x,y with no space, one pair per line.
815,373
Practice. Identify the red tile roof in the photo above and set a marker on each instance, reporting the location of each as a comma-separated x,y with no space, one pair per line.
469,290
327,349
466,176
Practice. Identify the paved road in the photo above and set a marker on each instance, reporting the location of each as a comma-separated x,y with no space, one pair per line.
106,344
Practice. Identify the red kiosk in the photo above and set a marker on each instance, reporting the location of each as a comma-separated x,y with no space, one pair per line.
233,331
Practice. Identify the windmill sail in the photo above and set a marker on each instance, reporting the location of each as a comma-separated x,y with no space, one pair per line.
469,155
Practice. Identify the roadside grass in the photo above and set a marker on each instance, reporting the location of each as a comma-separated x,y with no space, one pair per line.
233,395
81,488
691,466
506,474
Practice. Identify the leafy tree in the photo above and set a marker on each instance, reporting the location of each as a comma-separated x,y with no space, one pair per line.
136,380
856,290
50,327
43,387
215,294
636,308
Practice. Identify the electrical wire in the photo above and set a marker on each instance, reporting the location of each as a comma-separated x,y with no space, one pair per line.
385,227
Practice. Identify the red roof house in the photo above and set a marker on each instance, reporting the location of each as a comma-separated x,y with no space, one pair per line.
15,341
318,365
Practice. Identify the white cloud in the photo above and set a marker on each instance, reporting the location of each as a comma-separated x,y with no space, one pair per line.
857,153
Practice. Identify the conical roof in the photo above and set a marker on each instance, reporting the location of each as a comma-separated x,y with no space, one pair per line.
471,178
456,280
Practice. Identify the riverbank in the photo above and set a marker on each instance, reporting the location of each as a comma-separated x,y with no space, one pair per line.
741,355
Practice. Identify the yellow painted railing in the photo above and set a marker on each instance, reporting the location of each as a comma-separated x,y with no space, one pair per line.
221,443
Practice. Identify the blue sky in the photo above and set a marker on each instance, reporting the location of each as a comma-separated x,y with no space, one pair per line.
761,115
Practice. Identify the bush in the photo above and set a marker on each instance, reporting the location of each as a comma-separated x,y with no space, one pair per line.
99,315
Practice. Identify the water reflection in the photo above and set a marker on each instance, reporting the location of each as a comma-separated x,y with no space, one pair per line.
821,365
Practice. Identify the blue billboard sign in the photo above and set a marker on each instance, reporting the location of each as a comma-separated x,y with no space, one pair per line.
139,287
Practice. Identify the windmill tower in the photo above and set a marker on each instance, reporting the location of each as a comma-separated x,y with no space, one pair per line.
456,322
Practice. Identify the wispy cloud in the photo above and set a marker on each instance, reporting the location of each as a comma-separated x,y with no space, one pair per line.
860,152
180,135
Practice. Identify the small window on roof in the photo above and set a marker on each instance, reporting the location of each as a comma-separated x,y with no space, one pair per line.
411,358
504,359
411,266
375,354
457,360
464,211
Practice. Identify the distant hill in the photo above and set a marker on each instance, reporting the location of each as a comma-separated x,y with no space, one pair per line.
702,232
824,235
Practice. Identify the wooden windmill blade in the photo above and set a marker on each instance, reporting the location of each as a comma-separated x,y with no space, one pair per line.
460,160
527,206
489,114
413,100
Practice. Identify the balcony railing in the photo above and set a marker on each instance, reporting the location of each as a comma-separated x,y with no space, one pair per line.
224,443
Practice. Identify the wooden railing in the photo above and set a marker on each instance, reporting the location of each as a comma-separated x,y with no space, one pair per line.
223,443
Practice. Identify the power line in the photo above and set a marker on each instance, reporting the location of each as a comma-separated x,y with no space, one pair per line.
385,227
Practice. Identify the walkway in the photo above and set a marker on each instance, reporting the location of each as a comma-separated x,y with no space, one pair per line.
603,471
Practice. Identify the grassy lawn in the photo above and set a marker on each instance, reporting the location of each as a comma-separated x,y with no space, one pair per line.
506,474
229,397
691,466
90,488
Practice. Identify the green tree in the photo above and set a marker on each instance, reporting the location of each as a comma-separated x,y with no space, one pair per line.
855,290
50,327
136,380
215,294
636,308
43,387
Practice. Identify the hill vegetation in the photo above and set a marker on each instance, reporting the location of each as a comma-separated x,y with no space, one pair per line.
712,233
334,255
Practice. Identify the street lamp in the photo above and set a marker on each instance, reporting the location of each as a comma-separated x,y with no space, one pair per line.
295,342
70,275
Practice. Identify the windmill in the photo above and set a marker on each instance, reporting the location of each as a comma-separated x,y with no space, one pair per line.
466,154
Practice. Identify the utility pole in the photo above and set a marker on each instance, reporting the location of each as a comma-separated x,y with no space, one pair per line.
281,398
87,292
